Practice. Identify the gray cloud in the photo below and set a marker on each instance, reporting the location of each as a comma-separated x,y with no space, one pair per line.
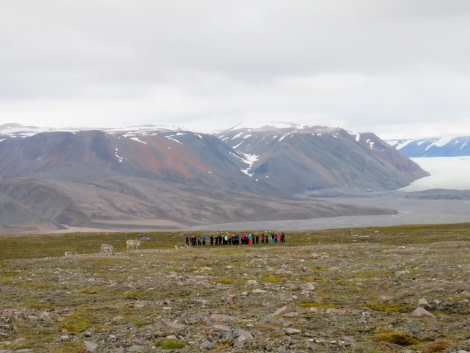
365,65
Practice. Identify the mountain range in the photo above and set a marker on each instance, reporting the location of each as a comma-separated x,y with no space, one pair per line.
151,177
433,147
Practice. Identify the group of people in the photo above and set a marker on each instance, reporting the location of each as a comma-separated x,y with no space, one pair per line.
236,239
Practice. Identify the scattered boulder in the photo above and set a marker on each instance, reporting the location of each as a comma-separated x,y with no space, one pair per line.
242,337
90,346
208,345
421,312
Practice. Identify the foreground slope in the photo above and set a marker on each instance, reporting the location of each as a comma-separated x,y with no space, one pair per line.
354,290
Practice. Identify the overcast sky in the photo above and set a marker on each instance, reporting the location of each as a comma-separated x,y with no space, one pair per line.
399,68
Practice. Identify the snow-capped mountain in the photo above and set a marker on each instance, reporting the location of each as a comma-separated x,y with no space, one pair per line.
173,176
433,147
298,158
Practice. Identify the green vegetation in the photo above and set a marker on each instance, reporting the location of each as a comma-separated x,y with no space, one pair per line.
390,307
399,338
167,344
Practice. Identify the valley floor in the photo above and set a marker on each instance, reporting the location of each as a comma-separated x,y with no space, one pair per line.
410,211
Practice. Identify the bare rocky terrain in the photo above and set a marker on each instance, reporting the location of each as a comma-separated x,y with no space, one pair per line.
393,289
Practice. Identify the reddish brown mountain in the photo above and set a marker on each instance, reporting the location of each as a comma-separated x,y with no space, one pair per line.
157,178
298,159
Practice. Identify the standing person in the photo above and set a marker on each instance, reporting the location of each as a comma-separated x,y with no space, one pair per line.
262,238
212,240
203,239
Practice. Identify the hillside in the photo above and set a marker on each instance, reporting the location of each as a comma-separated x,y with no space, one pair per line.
159,178
299,159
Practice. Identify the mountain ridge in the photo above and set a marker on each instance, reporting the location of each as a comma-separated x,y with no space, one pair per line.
443,146
178,178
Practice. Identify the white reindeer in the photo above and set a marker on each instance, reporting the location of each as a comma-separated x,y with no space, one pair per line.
132,244
181,246
107,249
70,253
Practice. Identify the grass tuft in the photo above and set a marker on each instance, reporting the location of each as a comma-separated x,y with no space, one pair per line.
396,337
167,344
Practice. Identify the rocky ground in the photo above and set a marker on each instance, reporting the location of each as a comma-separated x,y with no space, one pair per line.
367,291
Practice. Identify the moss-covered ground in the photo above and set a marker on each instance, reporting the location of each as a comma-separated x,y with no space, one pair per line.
345,290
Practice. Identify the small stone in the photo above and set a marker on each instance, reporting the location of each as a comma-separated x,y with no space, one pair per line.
208,345
309,286
335,311
292,286
423,302
89,332
251,282
291,331
421,312
90,346
223,328
242,337
401,273
259,291
19,341
282,311
232,297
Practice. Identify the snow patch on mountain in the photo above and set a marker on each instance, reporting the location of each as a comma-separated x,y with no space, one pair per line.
355,135
171,137
118,157
250,159
135,138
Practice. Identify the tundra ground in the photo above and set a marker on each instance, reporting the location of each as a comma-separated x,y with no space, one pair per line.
389,289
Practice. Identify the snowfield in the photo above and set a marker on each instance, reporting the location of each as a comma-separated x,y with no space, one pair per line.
446,173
